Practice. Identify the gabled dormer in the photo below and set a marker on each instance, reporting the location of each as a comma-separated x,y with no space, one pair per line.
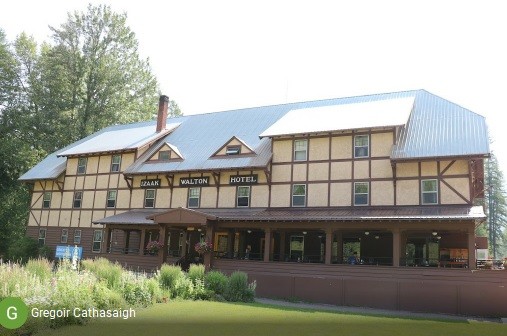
234,147
166,152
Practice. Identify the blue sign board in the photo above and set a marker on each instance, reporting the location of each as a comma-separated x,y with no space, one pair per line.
67,251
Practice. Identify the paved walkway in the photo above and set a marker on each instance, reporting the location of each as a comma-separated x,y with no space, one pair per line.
372,311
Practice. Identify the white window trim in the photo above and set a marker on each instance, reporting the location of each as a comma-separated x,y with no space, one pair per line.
44,200
429,192
367,194
306,150
292,195
248,197
42,238
113,163
85,164
66,235
108,199
74,199
368,146
77,235
97,241
198,198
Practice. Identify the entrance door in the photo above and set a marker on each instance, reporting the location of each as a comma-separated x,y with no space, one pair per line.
297,248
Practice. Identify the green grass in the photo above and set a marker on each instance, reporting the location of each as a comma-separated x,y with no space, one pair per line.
216,318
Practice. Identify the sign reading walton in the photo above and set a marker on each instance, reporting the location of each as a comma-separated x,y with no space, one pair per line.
243,179
194,181
151,183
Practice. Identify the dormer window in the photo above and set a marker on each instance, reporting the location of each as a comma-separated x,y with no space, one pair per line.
233,150
164,155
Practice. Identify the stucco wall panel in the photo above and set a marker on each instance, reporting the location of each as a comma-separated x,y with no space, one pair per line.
53,218
382,193
340,194
299,172
80,182
138,198
162,198
381,144
381,169
318,171
407,169
90,181
457,168
71,166
227,198
407,192
127,159
179,197
361,170
85,219
67,199
259,196
87,201
448,196
208,197
317,194
100,199
105,164
319,149
282,150
341,147
429,169
280,195
69,183
281,173
341,170
92,165
122,199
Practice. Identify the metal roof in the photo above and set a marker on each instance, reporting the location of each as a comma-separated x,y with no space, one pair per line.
406,213
435,128
355,115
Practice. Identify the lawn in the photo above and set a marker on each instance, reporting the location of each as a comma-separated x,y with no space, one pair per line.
215,318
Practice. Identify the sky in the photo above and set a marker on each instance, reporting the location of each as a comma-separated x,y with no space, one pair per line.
219,55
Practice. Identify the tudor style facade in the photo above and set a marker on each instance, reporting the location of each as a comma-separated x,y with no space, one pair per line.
394,177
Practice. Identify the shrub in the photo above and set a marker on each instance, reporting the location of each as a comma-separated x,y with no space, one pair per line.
195,273
135,289
216,281
40,267
23,249
238,289
183,288
104,270
169,275
106,298
45,252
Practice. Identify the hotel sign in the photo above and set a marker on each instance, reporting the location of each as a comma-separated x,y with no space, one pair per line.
243,179
194,181
150,183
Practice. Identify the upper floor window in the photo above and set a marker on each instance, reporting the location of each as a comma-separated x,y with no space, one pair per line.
361,191
42,237
46,200
149,198
194,195
115,163
81,165
243,196
361,146
429,189
300,150
111,199
299,195
77,236
233,150
64,236
164,155
97,241
78,198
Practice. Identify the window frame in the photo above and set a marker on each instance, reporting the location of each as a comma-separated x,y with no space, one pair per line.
111,200
66,235
233,150
247,197
116,164
168,152
293,195
358,194
356,147
42,236
81,168
300,150
94,241
189,196
46,203
151,198
77,199
77,236
429,192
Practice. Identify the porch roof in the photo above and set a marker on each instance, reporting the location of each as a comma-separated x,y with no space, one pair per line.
405,213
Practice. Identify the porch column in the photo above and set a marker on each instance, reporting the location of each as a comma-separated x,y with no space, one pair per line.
230,243
208,257
107,241
329,246
126,243
184,244
267,244
339,248
396,247
141,243
472,262
283,234
162,236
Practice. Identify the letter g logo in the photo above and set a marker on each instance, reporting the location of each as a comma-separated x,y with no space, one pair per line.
13,313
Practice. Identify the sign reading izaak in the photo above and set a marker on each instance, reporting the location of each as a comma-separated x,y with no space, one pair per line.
150,183
194,181
243,179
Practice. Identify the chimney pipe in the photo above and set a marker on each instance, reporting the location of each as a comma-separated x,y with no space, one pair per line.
163,104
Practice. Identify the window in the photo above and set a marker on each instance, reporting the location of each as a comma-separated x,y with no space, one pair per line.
361,146
81,166
233,150
193,197
429,191
111,199
243,196
299,195
97,241
46,200
77,237
115,163
361,193
64,236
164,155
78,197
42,237
149,198
300,150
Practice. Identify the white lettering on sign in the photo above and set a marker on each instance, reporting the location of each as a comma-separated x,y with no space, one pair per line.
194,181
150,183
243,179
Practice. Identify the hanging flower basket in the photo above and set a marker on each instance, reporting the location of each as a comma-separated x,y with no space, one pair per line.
203,247
154,246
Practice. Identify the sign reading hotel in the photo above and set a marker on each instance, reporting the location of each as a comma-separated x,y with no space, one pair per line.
243,179
150,183
194,181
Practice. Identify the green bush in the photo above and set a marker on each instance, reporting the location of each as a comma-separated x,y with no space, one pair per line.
169,275
135,289
106,298
183,288
216,282
23,249
46,252
238,289
42,268
196,272
104,270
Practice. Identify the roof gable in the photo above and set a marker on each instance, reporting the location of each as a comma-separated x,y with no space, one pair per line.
235,142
